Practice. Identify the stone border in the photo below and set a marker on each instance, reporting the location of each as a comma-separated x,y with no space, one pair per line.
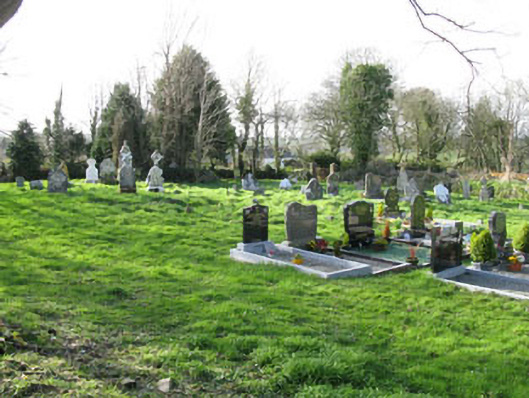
349,268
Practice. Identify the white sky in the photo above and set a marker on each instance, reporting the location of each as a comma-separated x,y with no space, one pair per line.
87,45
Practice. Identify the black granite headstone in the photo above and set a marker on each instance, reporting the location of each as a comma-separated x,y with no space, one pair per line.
447,251
358,222
255,224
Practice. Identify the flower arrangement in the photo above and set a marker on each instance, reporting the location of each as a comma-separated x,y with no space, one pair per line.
298,259
412,259
318,245
515,264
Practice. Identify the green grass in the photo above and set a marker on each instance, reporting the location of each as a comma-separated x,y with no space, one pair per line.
97,287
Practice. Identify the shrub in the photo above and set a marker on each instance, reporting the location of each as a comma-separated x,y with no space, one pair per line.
482,248
521,240
269,173
324,159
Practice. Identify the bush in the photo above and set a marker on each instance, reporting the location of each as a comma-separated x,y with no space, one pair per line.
269,173
521,240
323,159
482,248
224,173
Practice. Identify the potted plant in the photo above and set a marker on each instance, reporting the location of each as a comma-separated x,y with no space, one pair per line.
298,259
521,241
515,264
482,249
412,259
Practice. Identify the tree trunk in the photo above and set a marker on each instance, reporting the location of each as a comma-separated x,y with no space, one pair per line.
277,156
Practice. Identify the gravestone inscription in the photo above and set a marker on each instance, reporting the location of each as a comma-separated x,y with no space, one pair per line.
301,223
358,222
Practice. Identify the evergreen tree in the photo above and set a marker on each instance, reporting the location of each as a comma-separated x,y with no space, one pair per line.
25,153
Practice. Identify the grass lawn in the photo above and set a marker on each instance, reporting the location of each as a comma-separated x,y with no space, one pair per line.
103,294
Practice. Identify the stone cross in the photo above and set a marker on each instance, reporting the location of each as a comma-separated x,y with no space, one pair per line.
301,224
255,224
358,222
92,175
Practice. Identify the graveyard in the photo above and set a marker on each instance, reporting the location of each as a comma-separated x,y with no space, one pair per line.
110,294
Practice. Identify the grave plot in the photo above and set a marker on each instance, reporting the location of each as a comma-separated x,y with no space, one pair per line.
321,265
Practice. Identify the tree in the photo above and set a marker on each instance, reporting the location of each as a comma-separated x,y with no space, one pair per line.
431,120
123,118
365,94
24,151
323,116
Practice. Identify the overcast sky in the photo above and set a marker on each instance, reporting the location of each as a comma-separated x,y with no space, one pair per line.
87,45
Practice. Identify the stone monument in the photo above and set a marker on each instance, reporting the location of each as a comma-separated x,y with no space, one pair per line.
418,212
358,222
313,190
333,181
301,223
21,182
498,228
285,184
57,180
36,185
373,187
447,251
255,224
127,177
391,199
465,185
107,172
154,178
249,183
92,175
442,194
402,180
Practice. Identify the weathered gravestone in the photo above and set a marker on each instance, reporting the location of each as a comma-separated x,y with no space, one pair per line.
373,187
498,228
333,181
442,193
57,180
285,184
391,199
107,172
313,190
402,180
92,175
411,189
249,183
487,192
127,177
358,222
21,182
418,212
36,185
465,185
154,178
301,224
447,251
255,224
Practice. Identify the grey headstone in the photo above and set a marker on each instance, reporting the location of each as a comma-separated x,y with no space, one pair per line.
411,189
484,193
255,224
333,181
21,182
447,251
36,185
154,178
373,187
313,190
127,177
466,189
402,180
358,222
249,183
107,172
498,228
57,181
301,223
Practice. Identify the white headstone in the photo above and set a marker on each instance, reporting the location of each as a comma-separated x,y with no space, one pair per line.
285,184
441,193
92,175
154,178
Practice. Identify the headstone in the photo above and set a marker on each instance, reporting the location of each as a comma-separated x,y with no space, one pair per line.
127,177
57,180
373,187
333,181
447,251
391,199
154,178
411,189
442,194
255,224
498,228
466,189
36,185
249,183
21,181
402,180
92,175
313,190
285,184
301,223
418,212
107,172
484,193
358,222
